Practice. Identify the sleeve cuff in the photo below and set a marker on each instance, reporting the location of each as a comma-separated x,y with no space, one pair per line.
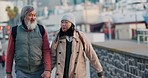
100,74
8,72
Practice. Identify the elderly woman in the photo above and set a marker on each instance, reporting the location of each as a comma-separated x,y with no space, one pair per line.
70,49
29,48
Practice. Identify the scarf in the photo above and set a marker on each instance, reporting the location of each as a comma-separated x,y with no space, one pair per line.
69,32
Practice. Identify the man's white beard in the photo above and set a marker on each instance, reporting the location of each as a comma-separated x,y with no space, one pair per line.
30,25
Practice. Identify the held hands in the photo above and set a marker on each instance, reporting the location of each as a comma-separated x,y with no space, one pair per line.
46,74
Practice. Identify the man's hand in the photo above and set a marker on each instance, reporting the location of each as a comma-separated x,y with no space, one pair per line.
9,76
46,74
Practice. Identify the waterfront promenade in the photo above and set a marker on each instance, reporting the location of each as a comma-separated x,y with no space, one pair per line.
122,59
126,45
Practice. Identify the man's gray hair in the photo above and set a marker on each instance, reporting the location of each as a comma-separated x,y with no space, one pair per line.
26,10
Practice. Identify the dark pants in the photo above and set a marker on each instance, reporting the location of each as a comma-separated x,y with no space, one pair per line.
2,61
20,74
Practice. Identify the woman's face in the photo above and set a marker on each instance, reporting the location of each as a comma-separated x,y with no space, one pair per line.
65,25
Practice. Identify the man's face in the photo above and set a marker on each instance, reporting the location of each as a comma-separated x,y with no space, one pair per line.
31,17
30,20
65,25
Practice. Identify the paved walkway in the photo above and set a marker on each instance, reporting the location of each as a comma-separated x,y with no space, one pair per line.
126,45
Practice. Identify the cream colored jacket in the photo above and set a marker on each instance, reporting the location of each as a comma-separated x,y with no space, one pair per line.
77,67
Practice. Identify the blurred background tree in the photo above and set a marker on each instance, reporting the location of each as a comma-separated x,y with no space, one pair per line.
12,14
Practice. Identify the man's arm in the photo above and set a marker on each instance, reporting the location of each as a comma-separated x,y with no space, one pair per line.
10,54
46,52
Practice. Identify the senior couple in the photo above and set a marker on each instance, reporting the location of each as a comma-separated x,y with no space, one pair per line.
28,45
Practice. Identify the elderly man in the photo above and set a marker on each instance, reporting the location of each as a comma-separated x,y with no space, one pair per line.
29,47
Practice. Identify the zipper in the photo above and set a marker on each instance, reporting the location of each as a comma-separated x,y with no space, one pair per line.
28,52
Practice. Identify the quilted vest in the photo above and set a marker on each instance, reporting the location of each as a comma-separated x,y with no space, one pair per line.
28,50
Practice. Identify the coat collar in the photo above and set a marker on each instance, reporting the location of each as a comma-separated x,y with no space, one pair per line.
57,39
76,35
